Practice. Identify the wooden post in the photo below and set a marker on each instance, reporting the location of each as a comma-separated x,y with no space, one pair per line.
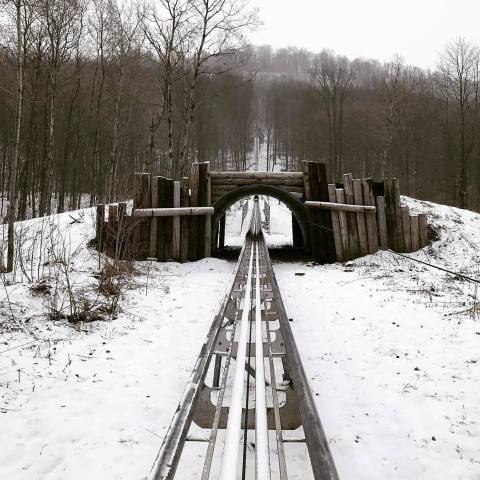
317,236
415,233
168,225
423,229
337,236
202,201
193,233
371,220
112,230
142,199
390,212
120,245
407,235
161,222
351,217
137,190
382,224
208,218
361,220
342,218
331,255
184,221
398,215
100,227
322,242
154,221
176,222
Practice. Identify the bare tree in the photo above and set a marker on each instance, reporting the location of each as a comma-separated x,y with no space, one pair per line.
124,41
63,22
333,78
12,193
459,80
166,27
218,29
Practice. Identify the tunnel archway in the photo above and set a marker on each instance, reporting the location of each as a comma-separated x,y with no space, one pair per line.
296,206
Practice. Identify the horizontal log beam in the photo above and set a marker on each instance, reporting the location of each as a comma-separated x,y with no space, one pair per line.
342,207
222,189
257,175
296,182
173,212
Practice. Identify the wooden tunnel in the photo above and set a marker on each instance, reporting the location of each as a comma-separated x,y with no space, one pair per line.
185,220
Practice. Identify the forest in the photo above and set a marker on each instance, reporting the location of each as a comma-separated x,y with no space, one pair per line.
92,91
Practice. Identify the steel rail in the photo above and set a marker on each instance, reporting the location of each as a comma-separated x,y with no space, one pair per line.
321,458
213,434
262,454
234,423
166,462
282,464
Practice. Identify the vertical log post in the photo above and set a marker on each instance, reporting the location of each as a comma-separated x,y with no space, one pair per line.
371,220
168,224
337,236
142,199
193,233
202,200
322,242
176,222
407,235
161,221
415,233
154,221
329,246
342,218
391,214
112,230
398,215
121,231
351,217
100,227
184,221
361,220
207,202
382,224
423,229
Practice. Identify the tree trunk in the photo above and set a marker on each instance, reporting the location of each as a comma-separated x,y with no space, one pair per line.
16,146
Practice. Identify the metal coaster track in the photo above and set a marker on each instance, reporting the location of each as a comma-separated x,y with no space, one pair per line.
253,330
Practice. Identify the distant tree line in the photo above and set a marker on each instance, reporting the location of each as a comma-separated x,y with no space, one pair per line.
91,91
377,120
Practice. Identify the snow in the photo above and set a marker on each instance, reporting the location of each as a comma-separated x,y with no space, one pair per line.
393,355
95,401
391,348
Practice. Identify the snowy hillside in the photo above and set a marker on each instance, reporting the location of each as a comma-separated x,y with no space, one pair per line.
391,348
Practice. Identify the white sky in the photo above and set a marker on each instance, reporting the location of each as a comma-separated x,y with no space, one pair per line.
416,29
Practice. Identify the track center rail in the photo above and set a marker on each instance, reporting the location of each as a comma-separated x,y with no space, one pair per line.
246,406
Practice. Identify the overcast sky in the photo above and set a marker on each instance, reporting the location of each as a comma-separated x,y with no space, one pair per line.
416,29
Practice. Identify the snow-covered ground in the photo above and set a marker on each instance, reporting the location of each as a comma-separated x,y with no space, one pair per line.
93,400
391,348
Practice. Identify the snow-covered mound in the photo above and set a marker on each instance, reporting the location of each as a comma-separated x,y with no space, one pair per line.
391,348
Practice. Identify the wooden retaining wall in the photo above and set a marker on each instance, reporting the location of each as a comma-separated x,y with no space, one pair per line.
178,238
172,220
